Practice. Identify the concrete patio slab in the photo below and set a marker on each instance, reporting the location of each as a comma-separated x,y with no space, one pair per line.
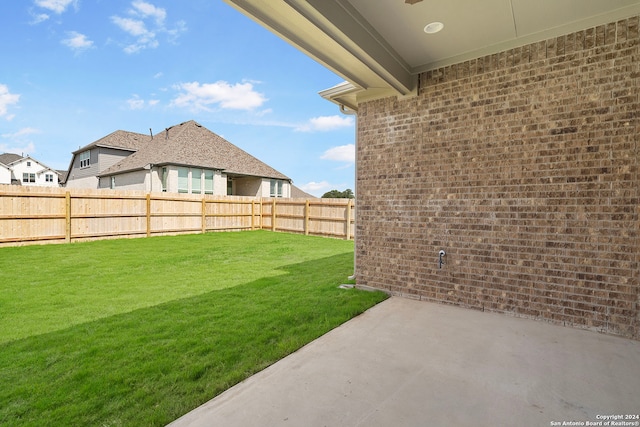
411,363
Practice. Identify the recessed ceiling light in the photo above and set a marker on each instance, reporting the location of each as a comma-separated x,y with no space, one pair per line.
433,27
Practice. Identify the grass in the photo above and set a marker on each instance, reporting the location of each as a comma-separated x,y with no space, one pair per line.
139,332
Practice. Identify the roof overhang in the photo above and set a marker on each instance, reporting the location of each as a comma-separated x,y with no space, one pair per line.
334,34
380,47
94,145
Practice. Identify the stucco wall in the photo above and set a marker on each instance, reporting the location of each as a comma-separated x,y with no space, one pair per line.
249,186
136,180
523,167
86,182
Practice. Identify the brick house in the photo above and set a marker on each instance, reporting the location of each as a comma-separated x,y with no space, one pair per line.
509,139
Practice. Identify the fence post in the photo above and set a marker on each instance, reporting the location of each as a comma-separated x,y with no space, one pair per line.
148,214
253,214
273,215
306,217
348,220
67,215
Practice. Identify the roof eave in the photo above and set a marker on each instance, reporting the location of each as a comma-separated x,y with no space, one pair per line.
337,36
94,145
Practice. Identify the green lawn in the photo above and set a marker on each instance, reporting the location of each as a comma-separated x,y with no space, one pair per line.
140,331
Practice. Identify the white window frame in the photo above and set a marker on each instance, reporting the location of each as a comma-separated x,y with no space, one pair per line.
276,188
164,179
84,159
184,180
48,177
208,181
196,181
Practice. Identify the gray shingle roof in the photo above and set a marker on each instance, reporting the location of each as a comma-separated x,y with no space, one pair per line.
7,158
119,139
191,144
298,193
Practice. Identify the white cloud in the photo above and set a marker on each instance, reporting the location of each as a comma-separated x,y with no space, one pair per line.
148,10
38,18
319,188
145,38
19,134
19,142
326,123
146,21
6,99
316,188
18,149
57,6
136,103
174,33
77,42
342,153
238,96
135,27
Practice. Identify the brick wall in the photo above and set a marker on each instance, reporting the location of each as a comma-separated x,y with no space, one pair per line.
523,167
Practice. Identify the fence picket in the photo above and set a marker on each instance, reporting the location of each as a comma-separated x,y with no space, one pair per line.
34,215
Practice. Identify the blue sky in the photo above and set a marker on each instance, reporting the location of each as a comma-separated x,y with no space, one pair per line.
74,71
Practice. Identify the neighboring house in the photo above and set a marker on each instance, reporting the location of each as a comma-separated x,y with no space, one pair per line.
89,161
186,158
509,140
5,174
19,170
298,193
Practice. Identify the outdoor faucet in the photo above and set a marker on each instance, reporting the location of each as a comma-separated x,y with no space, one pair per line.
441,253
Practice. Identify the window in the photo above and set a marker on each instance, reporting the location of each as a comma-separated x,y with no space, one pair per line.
28,177
183,180
229,187
28,164
196,181
276,188
85,159
113,182
163,178
48,177
208,182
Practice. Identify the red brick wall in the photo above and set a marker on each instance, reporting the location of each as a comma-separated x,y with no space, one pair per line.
523,167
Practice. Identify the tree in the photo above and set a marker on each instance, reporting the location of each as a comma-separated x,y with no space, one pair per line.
335,194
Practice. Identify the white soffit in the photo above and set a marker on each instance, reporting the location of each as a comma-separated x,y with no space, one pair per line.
474,28
379,46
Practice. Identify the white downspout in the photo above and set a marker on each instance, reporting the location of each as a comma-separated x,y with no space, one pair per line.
350,112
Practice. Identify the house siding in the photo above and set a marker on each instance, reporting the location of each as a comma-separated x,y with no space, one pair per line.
101,158
523,167
84,177
31,166
5,175
109,157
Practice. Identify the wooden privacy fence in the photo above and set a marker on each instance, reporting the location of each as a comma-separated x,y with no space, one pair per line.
42,214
